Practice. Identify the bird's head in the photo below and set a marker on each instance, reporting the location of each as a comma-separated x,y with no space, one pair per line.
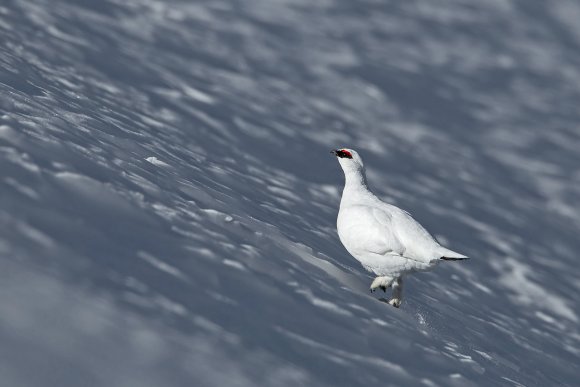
349,160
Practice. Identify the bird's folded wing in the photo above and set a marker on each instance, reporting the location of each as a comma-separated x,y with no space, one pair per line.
417,243
373,230
385,239
405,236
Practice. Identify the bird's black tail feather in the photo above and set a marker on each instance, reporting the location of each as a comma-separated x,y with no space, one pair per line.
453,259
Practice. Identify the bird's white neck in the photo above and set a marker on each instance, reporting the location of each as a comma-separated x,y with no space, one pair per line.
355,187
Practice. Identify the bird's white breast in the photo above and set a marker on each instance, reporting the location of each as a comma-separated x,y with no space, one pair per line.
361,234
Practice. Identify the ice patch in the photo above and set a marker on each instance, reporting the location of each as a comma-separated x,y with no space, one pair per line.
550,320
7,133
235,264
155,161
482,287
483,354
421,319
19,158
428,383
379,322
24,190
324,304
198,95
395,370
517,384
164,267
35,235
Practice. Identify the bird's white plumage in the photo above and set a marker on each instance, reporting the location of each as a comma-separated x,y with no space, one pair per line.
385,239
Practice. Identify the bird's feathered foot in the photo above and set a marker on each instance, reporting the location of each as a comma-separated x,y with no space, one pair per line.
382,282
396,302
397,292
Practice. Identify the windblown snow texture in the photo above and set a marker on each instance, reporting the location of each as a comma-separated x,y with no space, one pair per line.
168,202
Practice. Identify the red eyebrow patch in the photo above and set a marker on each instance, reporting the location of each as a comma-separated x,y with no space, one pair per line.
344,154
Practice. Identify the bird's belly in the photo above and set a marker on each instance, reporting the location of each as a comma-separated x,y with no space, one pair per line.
391,265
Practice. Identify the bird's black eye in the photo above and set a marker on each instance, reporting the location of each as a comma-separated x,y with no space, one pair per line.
343,154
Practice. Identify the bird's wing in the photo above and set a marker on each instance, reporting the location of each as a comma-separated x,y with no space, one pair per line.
418,244
384,238
365,229
411,239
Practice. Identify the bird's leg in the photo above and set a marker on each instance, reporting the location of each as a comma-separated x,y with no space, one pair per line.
397,292
382,282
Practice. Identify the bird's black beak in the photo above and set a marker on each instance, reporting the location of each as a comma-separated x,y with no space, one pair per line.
334,152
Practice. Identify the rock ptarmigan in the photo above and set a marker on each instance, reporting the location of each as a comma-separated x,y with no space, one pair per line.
385,239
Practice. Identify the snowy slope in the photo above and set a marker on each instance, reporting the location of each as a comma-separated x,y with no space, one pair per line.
168,202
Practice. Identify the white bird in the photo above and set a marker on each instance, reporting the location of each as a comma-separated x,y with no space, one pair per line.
385,239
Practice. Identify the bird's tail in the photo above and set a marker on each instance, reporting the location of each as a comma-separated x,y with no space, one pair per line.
450,255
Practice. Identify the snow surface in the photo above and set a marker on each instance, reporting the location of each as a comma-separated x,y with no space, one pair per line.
168,202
